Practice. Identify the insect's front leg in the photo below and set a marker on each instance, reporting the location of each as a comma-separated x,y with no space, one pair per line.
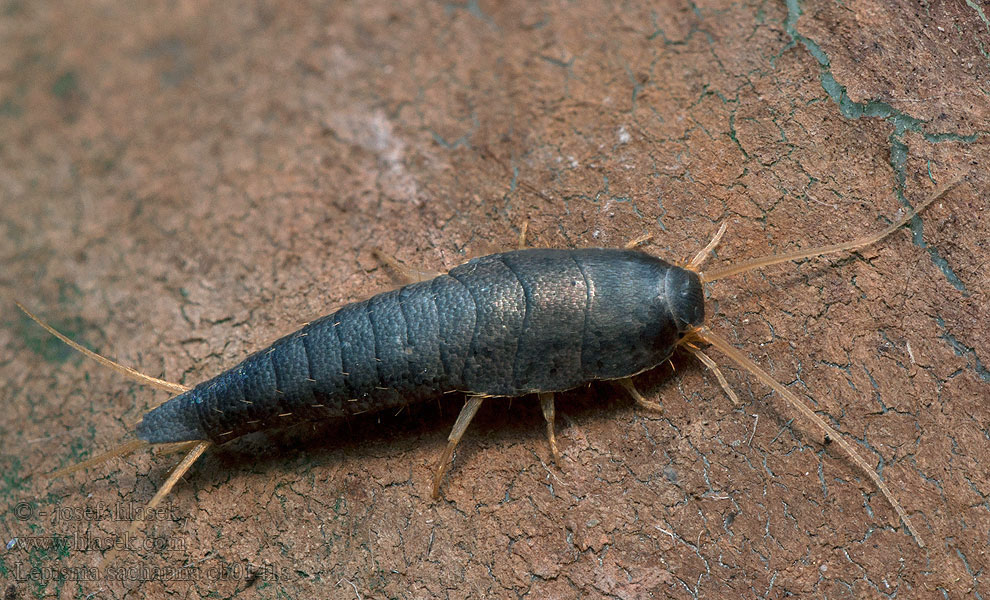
626,384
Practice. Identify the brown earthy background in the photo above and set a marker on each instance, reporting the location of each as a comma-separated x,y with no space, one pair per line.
183,182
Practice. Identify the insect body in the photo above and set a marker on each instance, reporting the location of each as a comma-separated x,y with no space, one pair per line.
510,324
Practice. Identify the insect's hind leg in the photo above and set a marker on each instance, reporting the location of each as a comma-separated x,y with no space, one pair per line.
549,413
460,426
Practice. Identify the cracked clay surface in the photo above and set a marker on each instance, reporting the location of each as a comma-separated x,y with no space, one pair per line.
182,183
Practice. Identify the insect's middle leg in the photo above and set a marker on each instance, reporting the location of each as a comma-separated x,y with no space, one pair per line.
406,273
522,234
546,403
633,243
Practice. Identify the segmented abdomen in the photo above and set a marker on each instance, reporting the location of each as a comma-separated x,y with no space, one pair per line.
503,325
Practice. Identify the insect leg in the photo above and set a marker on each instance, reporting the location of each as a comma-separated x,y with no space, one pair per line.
700,257
522,234
637,241
546,403
460,426
627,384
406,273
708,362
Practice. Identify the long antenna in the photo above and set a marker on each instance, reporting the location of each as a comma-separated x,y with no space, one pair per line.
756,263
723,346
